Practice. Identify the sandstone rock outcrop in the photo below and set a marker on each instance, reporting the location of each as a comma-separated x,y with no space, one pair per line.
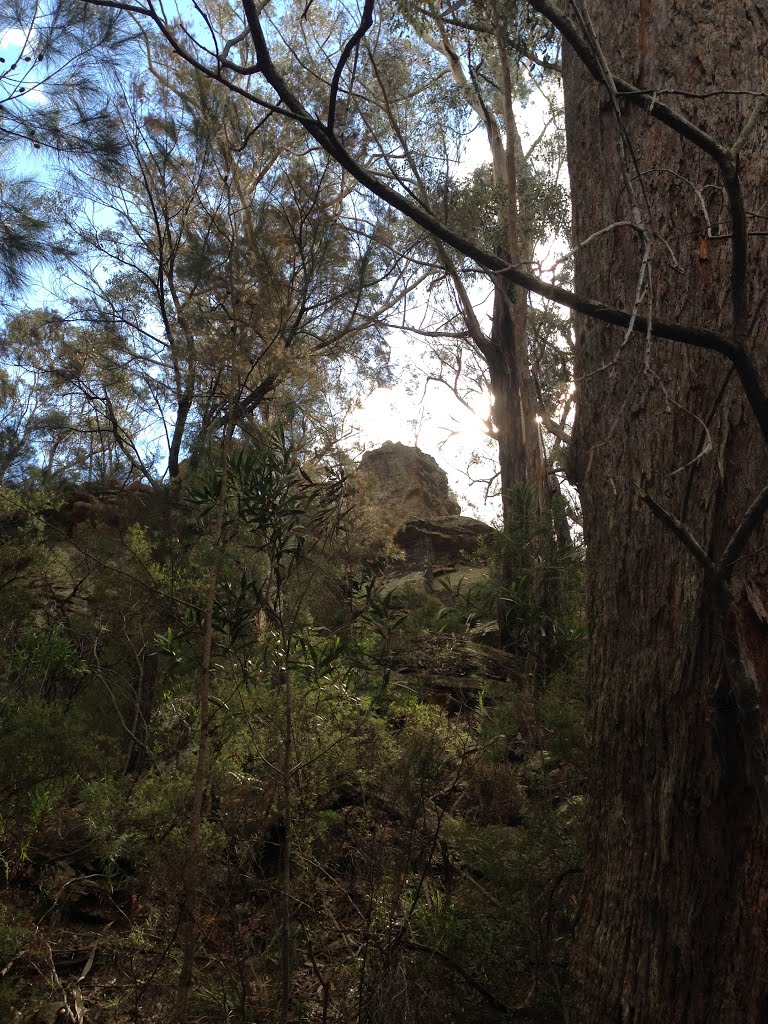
402,496
406,482
444,541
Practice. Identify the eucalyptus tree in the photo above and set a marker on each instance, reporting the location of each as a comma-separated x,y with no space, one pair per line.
511,207
499,58
423,81
671,454
400,95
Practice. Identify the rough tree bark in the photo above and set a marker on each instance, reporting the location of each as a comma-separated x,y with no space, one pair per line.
674,922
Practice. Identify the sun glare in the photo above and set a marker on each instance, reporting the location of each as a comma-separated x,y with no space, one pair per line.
36,96
13,37
389,414
457,437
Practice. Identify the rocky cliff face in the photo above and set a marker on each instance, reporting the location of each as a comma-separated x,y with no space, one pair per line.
432,573
406,510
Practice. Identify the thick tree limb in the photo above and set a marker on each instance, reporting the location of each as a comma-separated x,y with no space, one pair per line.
291,107
698,337
366,20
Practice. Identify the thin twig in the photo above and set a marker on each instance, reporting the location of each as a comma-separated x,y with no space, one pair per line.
757,112
471,980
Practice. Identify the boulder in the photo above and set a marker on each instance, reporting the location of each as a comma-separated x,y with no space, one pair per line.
406,482
445,541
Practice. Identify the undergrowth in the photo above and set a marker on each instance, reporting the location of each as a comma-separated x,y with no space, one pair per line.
435,851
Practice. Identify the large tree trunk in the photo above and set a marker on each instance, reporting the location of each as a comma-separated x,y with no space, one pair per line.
521,460
674,922
522,473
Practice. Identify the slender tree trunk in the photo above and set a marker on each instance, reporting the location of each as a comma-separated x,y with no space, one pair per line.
144,706
505,351
521,464
674,922
192,867
520,459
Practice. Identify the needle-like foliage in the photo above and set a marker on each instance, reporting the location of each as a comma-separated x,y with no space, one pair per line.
58,62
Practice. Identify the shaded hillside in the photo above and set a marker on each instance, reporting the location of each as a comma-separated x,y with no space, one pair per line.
429,809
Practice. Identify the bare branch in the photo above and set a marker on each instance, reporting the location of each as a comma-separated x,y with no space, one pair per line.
555,429
684,535
737,543
593,237
366,20
757,112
